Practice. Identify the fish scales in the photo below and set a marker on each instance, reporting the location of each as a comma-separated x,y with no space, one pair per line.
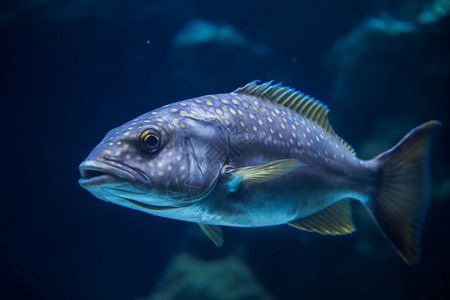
261,132
262,155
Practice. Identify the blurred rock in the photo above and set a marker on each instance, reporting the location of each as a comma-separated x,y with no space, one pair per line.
188,277
392,66
203,50
433,12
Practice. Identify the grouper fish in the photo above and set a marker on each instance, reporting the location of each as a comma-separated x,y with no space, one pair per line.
262,155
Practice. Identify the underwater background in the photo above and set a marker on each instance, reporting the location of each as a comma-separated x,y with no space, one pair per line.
72,70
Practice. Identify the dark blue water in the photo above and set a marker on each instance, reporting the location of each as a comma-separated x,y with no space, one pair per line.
72,70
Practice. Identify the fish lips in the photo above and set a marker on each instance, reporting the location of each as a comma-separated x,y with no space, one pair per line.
102,179
96,173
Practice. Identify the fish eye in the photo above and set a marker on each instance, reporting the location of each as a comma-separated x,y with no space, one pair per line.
150,140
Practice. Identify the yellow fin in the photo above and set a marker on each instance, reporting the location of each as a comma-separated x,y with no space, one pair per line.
261,173
213,232
336,219
299,102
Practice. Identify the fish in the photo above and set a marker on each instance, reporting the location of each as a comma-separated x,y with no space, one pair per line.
262,155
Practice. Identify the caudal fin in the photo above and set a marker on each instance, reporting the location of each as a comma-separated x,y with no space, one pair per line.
401,201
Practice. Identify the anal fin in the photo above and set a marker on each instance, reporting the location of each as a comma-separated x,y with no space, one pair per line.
213,232
334,220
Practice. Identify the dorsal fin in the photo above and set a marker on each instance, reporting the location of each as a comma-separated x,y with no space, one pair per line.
305,105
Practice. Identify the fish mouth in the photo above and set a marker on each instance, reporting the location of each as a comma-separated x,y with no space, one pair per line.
95,173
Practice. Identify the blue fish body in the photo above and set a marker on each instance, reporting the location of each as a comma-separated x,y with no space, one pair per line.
262,155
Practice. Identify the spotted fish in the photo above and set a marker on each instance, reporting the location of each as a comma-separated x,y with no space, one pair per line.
262,155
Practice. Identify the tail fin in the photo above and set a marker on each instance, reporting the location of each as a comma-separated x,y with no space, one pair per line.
401,202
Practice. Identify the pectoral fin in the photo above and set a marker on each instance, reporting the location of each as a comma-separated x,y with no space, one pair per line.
241,178
213,232
336,219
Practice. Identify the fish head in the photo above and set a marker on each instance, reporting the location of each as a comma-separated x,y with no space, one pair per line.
157,161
